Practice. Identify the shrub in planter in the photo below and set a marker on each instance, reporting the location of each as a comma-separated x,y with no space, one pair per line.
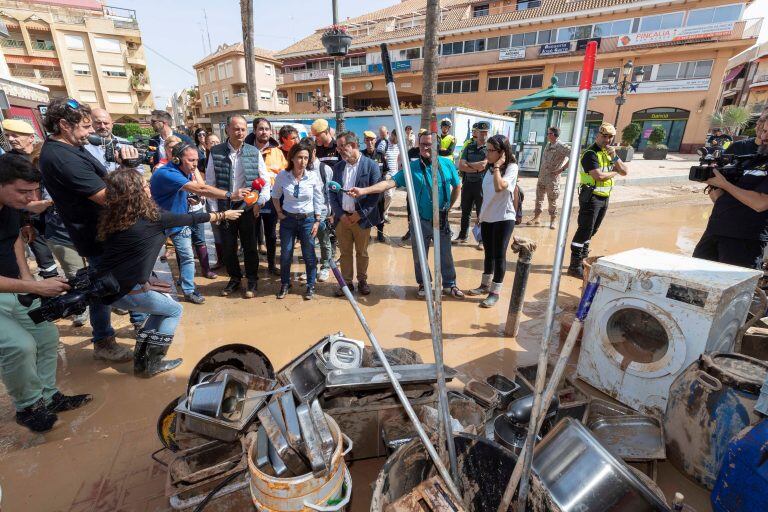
629,136
655,150
336,41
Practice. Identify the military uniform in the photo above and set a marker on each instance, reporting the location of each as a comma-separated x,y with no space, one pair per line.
549,183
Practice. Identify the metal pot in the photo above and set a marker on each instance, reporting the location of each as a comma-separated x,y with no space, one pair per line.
578,473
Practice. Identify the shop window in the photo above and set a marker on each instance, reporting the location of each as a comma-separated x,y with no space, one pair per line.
714,15
661,21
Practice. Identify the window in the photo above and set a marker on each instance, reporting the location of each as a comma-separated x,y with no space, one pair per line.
225,96
714,15
572,33
612,28
222,72
661,21
114,71
268,69
73,42
607,73
207,99
104,44
414,21
200,77
527,4
228,71
305,97
81,69
412,53
512,83
123,98
211,74
480,10
568,78
668,71
358,60
88,97
458,86
646,72
215,96
265,94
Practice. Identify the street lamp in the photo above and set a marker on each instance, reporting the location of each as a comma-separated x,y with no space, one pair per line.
336,42
322,101
626,85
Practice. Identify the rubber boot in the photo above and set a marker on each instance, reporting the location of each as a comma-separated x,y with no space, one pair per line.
140,353
219,257
205,264
485,285
151,347
493,296
575,269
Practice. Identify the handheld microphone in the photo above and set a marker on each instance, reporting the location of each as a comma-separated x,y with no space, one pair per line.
251,198
336,187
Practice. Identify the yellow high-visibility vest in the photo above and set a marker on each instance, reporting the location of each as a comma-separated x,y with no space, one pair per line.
602,187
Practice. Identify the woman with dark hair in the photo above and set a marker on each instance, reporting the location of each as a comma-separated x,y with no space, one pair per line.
133,231
302,209
497,216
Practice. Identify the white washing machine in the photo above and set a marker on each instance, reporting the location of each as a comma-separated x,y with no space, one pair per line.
653,315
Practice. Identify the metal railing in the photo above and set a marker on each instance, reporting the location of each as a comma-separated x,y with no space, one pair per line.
12,43
23,73
43,45
69,20
126,24
51,74
759,79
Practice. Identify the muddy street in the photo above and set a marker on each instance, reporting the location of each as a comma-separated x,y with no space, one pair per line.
98,457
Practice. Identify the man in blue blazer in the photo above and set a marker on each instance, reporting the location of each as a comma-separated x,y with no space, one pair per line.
354,217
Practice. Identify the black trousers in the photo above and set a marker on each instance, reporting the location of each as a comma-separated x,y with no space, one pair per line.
496,237
592,210
733,251
41,251
243,229
471,195
266,226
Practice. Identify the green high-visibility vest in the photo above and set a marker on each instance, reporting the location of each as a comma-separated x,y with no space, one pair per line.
602,187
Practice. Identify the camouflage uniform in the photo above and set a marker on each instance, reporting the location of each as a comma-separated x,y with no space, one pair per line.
551,160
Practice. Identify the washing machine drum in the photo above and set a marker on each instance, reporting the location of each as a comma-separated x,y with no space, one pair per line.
641,338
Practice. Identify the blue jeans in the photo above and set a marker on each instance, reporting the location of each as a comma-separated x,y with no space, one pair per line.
447,269
164,312
182,241
290,229
198,234
101,325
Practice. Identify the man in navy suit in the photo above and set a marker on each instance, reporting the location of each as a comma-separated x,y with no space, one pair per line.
354,217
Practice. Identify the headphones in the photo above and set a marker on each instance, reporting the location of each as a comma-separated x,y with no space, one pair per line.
178,151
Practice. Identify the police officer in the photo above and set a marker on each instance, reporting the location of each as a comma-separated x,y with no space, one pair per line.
718,139
472,163
599,165
447,141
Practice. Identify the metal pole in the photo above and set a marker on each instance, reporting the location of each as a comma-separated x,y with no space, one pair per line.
416,233
525,248
441,469
620,101
562,232
337,79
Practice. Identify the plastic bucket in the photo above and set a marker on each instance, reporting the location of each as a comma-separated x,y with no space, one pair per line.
306,492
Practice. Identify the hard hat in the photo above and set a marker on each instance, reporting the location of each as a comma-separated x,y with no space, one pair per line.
607,129
445,122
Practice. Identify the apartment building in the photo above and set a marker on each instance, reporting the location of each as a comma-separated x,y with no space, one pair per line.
81,49
494,51
746,79
222,87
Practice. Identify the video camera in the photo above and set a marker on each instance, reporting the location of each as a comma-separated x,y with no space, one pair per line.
731,166
85,288
112,145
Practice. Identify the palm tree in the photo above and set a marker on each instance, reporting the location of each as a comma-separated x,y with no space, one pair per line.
731,118
246,19
429,90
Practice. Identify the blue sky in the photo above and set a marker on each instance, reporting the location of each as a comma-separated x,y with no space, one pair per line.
175,30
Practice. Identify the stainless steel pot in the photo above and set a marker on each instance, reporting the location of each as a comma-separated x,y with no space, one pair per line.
578,473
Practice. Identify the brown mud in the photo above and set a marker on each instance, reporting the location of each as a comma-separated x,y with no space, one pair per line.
98,458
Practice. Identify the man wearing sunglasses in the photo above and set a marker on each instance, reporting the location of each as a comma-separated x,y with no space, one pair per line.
74,179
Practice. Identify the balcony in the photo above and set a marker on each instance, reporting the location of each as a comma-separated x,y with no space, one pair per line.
53,77
141,87
23,73
46,46
349,71
68,20
142,110
12,43
122,18
135,58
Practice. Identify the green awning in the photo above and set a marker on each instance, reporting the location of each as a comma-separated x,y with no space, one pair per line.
552,94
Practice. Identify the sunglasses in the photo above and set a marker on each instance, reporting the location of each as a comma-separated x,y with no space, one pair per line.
296,190
73,104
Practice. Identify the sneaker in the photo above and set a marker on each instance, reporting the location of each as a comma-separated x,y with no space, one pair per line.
109,350
194,297
310,293
323,275
37,417
421,292
453,291
363,287
61,402
47,274
79,320
250,290
303,277
283,291
232,286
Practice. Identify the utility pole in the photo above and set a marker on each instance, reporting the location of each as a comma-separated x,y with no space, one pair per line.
246,18
207,31
429,90
338,98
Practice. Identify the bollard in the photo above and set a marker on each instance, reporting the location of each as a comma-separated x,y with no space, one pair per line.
525,248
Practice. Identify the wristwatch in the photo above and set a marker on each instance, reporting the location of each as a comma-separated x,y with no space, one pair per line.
229,196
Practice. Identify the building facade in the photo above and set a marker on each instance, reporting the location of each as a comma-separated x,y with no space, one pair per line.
492,52
746,80
222,88
81,49
24,99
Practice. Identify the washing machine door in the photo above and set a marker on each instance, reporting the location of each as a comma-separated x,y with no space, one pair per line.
641,338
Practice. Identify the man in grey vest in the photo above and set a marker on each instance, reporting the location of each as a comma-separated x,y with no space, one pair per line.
232,166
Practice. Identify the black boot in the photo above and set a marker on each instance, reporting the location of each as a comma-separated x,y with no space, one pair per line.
576,269
36,417
156,347
140,352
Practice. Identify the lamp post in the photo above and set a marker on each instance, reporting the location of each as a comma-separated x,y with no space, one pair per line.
336,42
626,85
322,101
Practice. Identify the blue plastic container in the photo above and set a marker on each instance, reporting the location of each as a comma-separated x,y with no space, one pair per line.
742,485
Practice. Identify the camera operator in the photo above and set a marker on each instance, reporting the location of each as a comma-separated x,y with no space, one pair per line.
74,179
737,231
28,351
102,126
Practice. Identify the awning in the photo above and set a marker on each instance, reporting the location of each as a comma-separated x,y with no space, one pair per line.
32,61
544,98
40,27
733,73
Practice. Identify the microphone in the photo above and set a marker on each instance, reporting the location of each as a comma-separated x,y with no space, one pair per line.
96,140
252,197
258,184
336,187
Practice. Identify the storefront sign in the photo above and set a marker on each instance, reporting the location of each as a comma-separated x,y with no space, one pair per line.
529,158
660,116
665,86
351,70
581,44
555,48
518,52
399,65
315,74
677,34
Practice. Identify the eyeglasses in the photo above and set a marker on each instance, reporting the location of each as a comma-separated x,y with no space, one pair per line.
296,190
